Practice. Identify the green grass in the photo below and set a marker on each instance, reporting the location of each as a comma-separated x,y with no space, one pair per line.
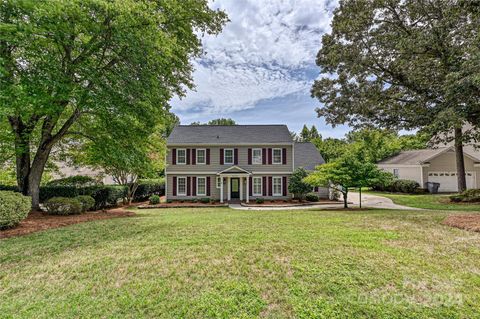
428,201
223,263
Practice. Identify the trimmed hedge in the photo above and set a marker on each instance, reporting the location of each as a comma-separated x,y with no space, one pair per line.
312,197
14,207
77,181
149,187
468,196
63,206
398,186
87,202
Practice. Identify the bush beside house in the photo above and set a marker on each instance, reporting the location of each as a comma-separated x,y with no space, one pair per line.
14,207
397,186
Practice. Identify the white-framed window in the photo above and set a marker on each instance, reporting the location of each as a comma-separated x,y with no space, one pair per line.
277,156
201,156
277,186
181,186
257,156
181,156
257,186
228,156
201,186
396,172
219,182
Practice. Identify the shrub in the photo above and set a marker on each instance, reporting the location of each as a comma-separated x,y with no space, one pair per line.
457,198
468,196
397,186
205,200
154,200
312,197
149,187
63,206
14,207
76,181
259,200
87,202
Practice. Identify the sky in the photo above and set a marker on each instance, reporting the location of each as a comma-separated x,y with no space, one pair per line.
260,69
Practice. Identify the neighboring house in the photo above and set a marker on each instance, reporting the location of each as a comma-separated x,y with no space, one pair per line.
434,165
237,162
66,170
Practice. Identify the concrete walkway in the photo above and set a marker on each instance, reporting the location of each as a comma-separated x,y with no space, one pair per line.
368,201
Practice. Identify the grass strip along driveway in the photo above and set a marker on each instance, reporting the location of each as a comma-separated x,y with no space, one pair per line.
428,201
224,263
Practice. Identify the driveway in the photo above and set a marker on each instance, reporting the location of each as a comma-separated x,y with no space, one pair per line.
375,201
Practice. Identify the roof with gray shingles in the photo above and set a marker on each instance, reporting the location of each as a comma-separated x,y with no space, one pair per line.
229,134
307,156
414,157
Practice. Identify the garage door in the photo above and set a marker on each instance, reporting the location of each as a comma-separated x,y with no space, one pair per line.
448,180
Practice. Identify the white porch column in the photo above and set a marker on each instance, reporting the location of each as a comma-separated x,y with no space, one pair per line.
247,196
241,188
221,189
228,188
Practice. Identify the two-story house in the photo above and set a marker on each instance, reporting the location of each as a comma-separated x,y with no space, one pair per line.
238,162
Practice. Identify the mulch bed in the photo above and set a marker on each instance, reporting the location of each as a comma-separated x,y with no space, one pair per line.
182,205
289,203
38,221
469,222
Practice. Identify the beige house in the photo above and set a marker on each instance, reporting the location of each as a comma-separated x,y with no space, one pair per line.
434,165
234,163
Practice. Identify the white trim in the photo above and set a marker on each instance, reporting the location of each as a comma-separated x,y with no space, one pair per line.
221,190
240,182
178,184
228,188
399,165
232,168
227,144
204,156
193,172
247,193
177,157
217,179
422,182
273,186
261,156
261,186
205,185
273,156
224,156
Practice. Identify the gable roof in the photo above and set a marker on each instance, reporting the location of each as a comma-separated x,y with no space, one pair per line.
307,156
417,157
229,134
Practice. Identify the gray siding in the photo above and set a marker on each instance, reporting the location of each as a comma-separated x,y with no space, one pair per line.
215,166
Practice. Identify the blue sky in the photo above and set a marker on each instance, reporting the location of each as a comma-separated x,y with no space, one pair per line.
259,70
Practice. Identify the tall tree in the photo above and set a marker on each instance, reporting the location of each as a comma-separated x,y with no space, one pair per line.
402,65
219,121
68,67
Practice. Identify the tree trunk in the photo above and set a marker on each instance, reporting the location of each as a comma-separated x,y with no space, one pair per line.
461,179
35,176
345,203
360,196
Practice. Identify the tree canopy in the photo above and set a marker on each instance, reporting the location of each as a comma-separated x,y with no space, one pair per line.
219,121
402,65
78,67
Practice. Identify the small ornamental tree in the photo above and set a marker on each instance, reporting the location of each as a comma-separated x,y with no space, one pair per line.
347,172
297,186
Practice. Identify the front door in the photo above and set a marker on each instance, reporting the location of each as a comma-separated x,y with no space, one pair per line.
234,188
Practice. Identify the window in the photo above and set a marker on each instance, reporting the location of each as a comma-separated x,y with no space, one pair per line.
257,156
396,172
182,156
219,182
277,156
277,186
201,186
182,186
228,156
257,186
201,158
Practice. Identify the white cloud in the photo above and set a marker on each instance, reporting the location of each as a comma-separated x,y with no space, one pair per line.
265,52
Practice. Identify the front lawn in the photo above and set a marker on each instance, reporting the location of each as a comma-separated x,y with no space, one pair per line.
223,263
428,201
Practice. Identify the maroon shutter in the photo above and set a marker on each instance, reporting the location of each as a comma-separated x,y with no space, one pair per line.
235,156
250,184
189,186
249,156
174,184
174,156
284,156
208,185
194,186
264,186
270,186
221,156
264,156
284,185
194,156
269,156
188,156
208,156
